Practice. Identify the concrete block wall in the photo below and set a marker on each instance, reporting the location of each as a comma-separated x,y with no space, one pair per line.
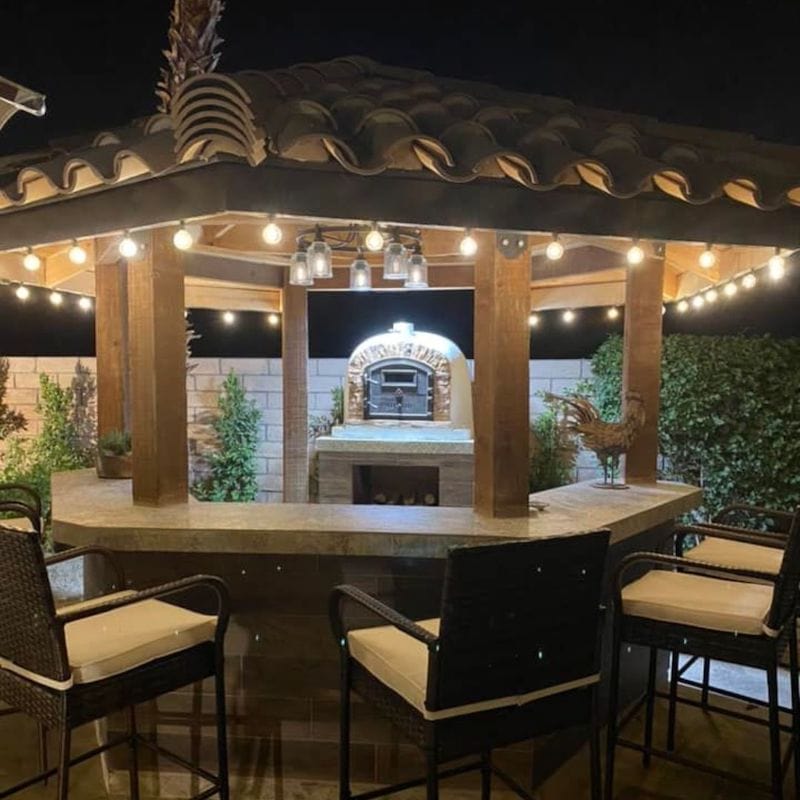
263,381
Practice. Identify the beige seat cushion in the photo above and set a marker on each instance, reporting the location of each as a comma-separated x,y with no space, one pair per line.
70,605
701,602
728,553
116,641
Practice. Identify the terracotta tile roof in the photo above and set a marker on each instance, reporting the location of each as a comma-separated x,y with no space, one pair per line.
370,118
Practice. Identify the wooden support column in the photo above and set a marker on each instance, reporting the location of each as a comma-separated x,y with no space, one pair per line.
158,372
641,366
295,394
111,347
502,353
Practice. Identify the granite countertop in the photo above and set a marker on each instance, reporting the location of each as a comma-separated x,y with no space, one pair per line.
88,510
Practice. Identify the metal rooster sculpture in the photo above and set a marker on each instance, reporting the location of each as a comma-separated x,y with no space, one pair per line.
608,440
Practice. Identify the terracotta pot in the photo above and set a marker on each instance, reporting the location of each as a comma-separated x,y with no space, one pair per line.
111,466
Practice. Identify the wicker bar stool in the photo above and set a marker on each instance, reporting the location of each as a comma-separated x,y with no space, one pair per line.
726,613
24,501
83,662
513,655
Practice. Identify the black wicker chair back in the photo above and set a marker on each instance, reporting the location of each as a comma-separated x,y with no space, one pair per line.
784,599
518,617
22,500
30,639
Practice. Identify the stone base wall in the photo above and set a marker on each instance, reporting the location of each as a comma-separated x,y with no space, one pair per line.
263,382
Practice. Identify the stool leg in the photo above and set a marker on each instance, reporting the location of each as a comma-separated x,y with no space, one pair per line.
595,774
650,706
673,693
613,700
793,669
486,775
62,791
222,728
431,775
344,730
133,765
706,680
774,733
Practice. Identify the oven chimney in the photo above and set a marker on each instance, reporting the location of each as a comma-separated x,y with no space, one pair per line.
403,327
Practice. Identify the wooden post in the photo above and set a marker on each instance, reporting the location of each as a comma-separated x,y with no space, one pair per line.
111,346
641,366
502,353
158,372
295,394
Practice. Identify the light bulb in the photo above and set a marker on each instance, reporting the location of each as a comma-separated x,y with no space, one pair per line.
417,272
698,302
730,289
128,247
272,233
635,254
468,246
707,258
568,316
273,320
533,320
374,240
77,254
85,304
182,239
613,313
711,296
56,298
777,266
31,261
22,293
555,249
749,280
299,274
228,317
683,307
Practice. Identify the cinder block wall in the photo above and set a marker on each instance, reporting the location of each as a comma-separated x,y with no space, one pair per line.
263,382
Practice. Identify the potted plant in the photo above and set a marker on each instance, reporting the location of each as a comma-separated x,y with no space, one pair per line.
114,455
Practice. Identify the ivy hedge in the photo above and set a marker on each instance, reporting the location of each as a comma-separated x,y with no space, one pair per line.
730,414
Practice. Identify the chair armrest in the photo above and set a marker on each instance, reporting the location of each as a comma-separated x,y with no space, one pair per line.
730,510
90,550
345,593
745,535
216,585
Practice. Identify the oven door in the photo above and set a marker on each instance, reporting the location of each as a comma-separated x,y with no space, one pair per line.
398,389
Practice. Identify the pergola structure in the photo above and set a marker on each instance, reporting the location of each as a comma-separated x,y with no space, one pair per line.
351,141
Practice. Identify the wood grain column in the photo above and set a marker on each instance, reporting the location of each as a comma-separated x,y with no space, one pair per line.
502,353
158,373
295,394
641,366
111,346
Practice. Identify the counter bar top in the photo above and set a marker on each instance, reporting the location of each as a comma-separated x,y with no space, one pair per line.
88,510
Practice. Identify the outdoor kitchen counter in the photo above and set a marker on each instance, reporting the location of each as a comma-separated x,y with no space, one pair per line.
88,510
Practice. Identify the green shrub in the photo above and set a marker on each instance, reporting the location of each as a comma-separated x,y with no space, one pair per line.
730,414
553,451
11,421
232,465
115,443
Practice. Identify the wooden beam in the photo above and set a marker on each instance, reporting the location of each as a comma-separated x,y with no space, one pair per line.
502,353
158,373
111,337
231,298
295,394
641,366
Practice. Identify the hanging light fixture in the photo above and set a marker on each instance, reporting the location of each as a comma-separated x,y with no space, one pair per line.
182,238
56,298
468,245
533,320
730,289
31,261
635,254
683,306
613,313
22,292
698,302
417,270
319,257
374,240
395,262
554,249
707,258
568,316
299,273
271,233
749,280
128,247
777,265
77,254
360,273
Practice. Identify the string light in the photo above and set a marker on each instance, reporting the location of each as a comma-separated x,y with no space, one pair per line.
271,233
374,240
749,280
698,302
730,289
635,254
22,292
85,304
707,258
228,317
31,261
683,306
273,320
711,296
777,265
533,320
182,238
568,316
56,298
468,246
77,254
128,247
613,313
555,249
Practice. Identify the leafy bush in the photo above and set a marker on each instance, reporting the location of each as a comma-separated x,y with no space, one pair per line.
321,424
115,443
232,465
730,414
553,451
10,421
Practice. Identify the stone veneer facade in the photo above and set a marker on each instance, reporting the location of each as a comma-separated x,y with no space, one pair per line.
263,382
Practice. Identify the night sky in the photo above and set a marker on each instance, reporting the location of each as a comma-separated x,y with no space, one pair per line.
725,65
